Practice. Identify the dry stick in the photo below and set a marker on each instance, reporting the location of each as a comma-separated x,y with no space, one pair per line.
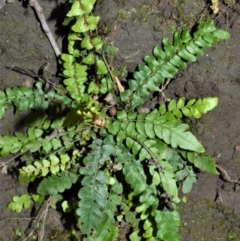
225,175
34,4
43,219
163,88
44,216
113,77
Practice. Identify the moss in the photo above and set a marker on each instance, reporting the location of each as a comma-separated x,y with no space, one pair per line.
126,14
57,235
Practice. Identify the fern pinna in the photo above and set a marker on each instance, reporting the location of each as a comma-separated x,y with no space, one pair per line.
127,167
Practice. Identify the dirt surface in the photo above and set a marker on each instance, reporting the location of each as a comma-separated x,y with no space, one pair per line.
212,211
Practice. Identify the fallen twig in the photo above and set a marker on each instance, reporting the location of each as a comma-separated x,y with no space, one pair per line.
43,218
34,4
113,77
225,175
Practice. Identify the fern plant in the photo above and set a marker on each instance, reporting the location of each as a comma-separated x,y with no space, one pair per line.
129,166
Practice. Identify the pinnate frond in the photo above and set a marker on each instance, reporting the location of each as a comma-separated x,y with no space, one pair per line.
24,98
57,183
164,64
176,109
41,168
94,196
153,126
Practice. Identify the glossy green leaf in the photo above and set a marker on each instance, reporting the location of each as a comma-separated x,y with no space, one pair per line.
221,34
47,146
98,43
185,36
19,202
93,88
188,182
89,59
101,67
106,85
56,184
205,163
87,43
78,9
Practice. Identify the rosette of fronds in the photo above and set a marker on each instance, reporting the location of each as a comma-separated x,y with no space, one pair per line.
127,167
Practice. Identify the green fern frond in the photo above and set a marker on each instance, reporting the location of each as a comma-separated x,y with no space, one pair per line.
176,109
162,176
41,168
148,195
13,144
57,183
78,64
76,77
76,70
160,225
153,125
23,98
166,63
20,202
35,140
135,176
168,225
94,195
107,229
161,171
201,161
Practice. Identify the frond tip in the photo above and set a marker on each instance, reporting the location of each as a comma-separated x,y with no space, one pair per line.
176,109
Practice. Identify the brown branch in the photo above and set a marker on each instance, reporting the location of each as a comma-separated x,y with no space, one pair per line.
34,4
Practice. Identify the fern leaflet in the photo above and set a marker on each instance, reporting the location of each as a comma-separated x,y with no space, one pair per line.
57,183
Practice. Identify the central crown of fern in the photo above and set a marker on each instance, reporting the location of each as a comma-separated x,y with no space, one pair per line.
149,154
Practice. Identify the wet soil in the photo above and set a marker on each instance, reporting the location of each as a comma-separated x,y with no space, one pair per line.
212,210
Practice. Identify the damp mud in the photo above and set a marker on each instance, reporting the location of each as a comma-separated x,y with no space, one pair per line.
212,209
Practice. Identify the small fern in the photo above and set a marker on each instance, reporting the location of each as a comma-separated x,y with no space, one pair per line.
166,63
129,166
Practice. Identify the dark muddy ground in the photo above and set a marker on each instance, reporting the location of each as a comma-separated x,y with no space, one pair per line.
212,211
